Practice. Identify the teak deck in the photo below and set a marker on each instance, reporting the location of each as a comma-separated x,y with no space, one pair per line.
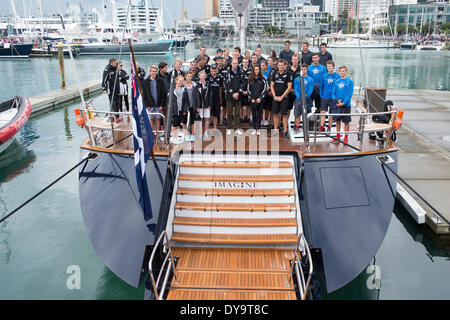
232,274
245,143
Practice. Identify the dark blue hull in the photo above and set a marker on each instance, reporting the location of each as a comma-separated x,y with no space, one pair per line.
347,203
110,206
16,51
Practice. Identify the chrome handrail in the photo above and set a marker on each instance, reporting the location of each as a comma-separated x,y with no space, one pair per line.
299,271
362,114
169,268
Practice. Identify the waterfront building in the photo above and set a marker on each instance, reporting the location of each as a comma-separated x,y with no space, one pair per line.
75,19
212,8
141,18
420,14
331,7
273,3
373,14
290,20
226,10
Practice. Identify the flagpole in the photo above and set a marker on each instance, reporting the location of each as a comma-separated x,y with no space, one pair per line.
130,44
134,64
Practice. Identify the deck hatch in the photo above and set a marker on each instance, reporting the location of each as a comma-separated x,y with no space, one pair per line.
343,187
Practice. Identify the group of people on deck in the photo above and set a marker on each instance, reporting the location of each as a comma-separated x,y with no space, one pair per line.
233,89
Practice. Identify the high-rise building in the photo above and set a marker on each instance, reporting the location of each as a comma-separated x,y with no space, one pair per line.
141,17
330,6
226,10
319,3
212,8
274,3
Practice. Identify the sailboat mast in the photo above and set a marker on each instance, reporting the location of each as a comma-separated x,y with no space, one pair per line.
147,20
42,18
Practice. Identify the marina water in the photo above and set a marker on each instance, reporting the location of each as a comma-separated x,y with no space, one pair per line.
42,245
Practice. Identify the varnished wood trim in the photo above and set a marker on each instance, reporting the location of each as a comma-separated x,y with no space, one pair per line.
238,164
262,178
233,259
350,154
260,207
236,192
217,294
231,222
235,238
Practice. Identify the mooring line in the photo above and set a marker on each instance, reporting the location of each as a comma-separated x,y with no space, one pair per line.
86,158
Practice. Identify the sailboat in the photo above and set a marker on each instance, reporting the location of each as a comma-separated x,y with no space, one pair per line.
238,216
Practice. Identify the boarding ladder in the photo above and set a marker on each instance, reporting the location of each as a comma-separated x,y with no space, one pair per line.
234,231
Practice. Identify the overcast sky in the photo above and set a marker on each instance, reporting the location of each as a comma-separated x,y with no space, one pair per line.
172,8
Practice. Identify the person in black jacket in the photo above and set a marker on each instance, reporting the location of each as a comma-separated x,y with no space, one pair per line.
287,53
154,96
180,105
216,84
245,71
164,76
234,87
256,92
306,54
111,86
324,55
123,78
141,73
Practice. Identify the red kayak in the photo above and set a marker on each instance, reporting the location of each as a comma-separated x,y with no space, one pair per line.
14,113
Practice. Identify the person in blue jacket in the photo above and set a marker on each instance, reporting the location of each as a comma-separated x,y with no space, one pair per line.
342,97
316,71
326,90
298,105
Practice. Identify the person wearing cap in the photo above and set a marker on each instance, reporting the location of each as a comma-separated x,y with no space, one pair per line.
219,53
215,83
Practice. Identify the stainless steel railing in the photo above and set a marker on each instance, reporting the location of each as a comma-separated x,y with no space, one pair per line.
93,127
365,124
296,265
171,266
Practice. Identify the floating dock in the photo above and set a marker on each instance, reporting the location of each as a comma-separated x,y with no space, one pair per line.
52,99
424,154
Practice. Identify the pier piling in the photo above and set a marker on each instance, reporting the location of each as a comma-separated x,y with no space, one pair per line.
61,65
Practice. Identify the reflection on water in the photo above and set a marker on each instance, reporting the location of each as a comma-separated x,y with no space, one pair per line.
435,246
5,233
67,124
28,134
15,160
111,287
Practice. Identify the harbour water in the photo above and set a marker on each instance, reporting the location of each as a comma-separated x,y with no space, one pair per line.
44,240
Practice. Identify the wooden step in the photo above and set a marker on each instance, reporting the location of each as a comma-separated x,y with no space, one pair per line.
233,259
236,192
216,294
252,207
235,238
232,274
235,164
235,178
207,279
286,222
